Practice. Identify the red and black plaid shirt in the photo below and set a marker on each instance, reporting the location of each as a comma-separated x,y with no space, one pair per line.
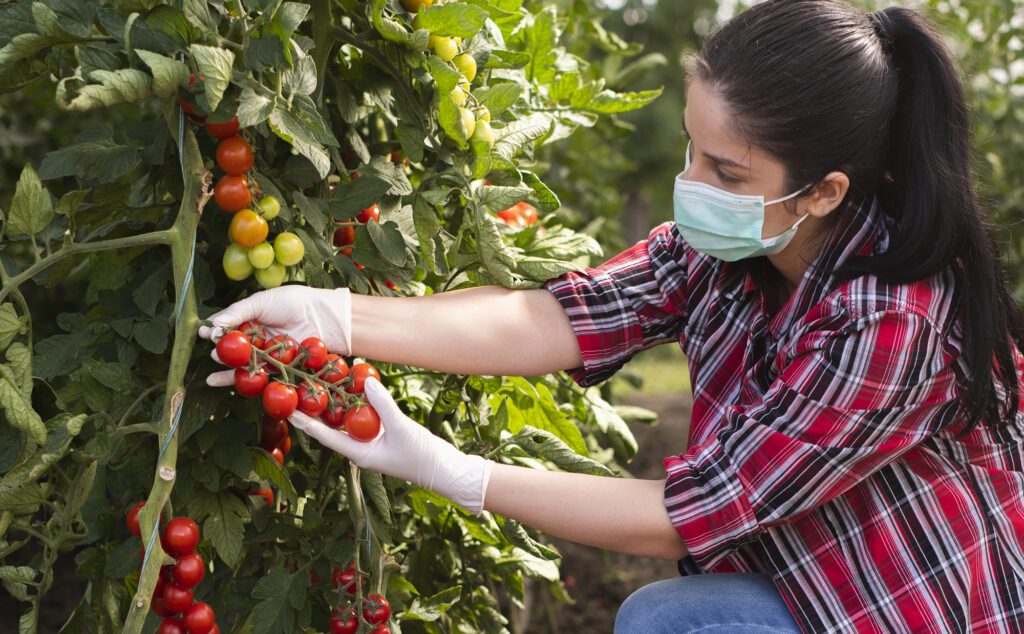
823,444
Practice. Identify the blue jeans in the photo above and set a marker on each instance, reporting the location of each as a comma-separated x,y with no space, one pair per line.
711,603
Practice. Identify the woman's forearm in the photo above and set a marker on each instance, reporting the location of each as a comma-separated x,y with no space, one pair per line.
485,330
623,515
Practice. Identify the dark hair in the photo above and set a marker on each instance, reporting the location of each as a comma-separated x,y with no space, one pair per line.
824,87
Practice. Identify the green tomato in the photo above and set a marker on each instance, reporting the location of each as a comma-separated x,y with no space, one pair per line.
483,114
262,255
288,248
482,132
459,95
269,207
468,121
272,276
466,65
443,47
236,262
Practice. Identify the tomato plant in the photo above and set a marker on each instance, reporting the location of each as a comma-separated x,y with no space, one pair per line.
111,239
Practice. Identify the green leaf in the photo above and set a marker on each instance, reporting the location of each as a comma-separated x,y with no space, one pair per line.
17,74
10,325
545,198
610,102
508,59
499,97
165,29
389,241
276,592
290,15
23,46
168,74
451,119
94,156
427,226
269,469
70,201
300,79
431,608
123,560
374,490
306,131
412,137
20,574
71,17
61,430
113,87
611,424
444,75
517,535
519,133
223,524
253,108
21,500
214,64
543,444
494,198
453,19
31,208
18,406
111,375
359,193
541,39
153,334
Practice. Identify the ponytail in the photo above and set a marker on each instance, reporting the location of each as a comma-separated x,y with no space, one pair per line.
928,191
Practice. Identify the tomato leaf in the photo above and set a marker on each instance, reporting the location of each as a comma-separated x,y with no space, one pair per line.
453,19
431,608
280,595
222,516
268,469
10,325
518,536
544,444
18,407
31,208
389,242
168,74
215,65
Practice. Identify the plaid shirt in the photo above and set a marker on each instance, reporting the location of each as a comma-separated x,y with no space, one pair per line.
823,445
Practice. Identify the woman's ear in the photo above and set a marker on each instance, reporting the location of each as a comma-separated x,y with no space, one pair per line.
827,195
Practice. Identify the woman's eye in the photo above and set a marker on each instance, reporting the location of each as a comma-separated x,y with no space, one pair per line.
725,178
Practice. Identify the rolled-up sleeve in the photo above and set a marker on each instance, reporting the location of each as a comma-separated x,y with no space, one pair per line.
846,404
633,301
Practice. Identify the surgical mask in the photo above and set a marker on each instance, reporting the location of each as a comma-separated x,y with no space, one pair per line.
724,225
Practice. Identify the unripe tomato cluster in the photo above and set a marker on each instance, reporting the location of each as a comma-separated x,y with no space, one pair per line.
326,386
474,118
376,609
173,593
519,215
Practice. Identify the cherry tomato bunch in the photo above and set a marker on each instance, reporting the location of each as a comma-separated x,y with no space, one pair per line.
519,215
376,609
326,386
173,593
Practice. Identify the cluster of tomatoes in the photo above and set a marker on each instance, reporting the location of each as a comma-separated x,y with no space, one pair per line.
326,386
376,609
173,593
249,252
475,121
519,215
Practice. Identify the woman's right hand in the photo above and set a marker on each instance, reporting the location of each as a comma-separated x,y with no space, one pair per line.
297,311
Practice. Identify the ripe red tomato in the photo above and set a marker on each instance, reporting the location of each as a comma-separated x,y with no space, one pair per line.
272,432
371,213
250,384
344,236
527,213
198,618
133,519
362,423
232,193
285,445
159,607
381,629
312,398
512,217
267,495
256,332
344,623
181,535
189,570
313,352
234,155
277,454
177,598
280,400
223,130
334,415
345,579
376,609
171,626
360,373
286,353
335,369
234,349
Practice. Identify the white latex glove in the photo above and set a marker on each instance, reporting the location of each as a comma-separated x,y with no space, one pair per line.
404,449
298,311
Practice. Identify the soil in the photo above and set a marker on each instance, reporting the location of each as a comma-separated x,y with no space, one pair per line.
598,580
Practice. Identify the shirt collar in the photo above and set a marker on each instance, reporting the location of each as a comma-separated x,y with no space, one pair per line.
861,231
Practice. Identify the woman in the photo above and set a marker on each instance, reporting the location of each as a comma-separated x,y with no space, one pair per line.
855,459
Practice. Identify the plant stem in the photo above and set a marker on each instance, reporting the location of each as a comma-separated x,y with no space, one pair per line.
145,239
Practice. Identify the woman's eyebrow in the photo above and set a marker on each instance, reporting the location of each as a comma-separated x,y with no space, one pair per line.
716,159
